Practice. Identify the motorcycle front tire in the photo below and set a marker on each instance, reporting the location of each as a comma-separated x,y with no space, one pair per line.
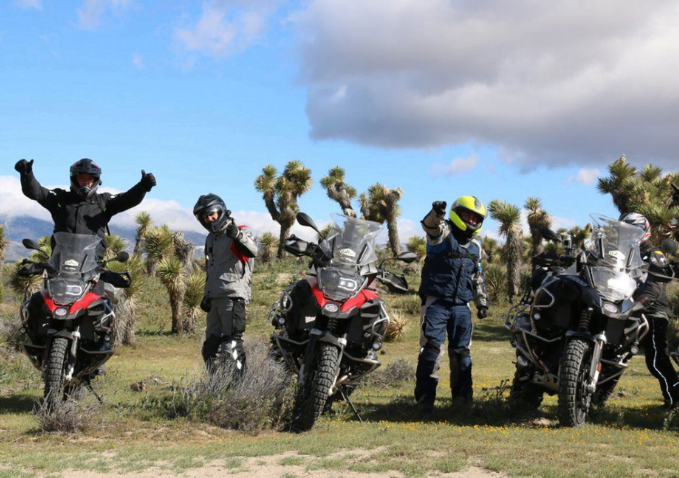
54,371
311,398
574,401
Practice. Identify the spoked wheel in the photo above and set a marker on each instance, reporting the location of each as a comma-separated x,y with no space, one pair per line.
54,372
574,399
311,398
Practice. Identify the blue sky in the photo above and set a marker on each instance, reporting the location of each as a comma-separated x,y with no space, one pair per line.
204,94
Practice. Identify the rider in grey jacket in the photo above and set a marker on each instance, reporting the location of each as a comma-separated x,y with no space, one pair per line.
229,251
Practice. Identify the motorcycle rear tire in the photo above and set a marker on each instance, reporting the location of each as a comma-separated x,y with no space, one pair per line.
576,363
54,372
312,397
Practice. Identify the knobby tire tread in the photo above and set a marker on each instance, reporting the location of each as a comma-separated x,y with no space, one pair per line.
54,376
569,383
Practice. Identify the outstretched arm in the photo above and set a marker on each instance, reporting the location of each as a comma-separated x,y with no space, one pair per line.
31,188
434,224
129,199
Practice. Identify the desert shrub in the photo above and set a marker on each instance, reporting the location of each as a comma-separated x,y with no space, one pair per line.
259,398
72,415
393,375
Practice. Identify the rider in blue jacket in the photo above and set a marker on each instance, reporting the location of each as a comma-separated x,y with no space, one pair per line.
451,278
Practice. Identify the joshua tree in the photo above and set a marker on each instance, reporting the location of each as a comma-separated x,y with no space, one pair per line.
509,217
144,224
268,245
537,219
339,191
280,195
195,284
158,244
172,274
3,250
648,192
126,306
114,245
380,204
490,249
25,286
418,246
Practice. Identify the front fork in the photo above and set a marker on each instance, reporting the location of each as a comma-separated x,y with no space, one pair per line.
317,336
595,367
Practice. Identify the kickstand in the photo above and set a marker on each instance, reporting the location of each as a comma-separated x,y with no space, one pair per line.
89,387
351,404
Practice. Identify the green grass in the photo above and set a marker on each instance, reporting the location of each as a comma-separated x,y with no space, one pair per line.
632,437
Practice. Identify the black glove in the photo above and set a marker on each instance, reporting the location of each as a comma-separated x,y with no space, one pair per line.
147,180
24,167
482,312
439,207
232,230
205,304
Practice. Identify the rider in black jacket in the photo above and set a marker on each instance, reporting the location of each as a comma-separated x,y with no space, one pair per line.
80,210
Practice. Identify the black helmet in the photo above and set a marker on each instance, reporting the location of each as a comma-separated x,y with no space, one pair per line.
85,166
210,204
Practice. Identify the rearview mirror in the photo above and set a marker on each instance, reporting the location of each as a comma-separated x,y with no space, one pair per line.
123,256
407,257
669,246
305,220
549,235
30,244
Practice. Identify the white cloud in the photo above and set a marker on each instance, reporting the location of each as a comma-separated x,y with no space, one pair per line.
36,4
137,61
226,26
543,82
92,10
456,166
586,176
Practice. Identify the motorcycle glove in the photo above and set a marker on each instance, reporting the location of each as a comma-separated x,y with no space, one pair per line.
148,180
24,167
482,312
439,207
205,304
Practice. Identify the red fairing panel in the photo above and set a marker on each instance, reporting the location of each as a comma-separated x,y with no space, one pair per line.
358,300
84,303
49,302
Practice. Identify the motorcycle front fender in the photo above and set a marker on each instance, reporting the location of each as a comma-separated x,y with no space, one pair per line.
572,334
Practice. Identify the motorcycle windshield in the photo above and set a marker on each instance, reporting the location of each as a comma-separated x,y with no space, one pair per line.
351,241
615,245
75,253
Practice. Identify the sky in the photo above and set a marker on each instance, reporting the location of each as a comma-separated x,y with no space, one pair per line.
440,98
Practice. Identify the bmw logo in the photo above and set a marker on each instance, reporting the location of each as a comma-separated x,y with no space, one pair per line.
61,312
332,308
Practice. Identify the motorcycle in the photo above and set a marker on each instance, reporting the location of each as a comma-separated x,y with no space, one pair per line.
330,325
578,326
70,337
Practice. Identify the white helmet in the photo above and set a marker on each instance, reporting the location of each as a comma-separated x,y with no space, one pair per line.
640,221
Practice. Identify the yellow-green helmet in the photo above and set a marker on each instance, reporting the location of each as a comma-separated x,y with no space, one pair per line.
473,205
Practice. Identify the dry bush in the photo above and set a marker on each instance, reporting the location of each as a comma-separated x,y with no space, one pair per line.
10,337
396,373
72,415
259,398
397,327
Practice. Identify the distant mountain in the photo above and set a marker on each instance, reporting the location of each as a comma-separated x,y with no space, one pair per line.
18,228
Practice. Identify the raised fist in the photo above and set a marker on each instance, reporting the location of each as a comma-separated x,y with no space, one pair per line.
148,180
439,207
24,167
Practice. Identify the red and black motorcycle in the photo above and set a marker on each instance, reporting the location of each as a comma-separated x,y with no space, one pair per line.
331,324
68,325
